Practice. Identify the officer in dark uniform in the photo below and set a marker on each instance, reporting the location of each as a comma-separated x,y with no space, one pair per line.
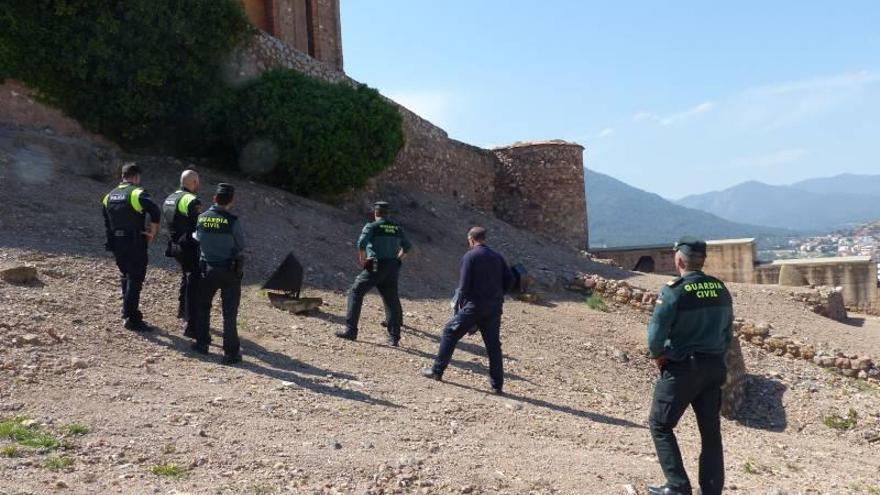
125,209
479,301
181,212
688,336
381,248
221,247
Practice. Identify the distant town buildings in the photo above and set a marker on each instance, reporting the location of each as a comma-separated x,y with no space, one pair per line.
860,241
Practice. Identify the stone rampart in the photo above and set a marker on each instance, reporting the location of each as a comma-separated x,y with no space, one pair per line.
540,187
536,186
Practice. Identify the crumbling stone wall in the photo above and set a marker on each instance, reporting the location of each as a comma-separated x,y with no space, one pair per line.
540,187
855,275
537,186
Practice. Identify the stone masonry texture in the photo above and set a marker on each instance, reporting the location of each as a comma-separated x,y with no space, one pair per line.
535,186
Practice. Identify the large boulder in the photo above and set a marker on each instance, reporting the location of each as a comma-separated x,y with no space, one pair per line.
23,274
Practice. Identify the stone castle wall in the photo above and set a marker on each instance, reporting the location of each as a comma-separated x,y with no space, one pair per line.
856,276
537,186
540,187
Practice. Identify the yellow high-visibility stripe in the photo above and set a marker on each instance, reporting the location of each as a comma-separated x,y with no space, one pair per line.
136,200
183,203
106,199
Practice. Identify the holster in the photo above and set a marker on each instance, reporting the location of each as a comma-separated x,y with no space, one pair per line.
238,266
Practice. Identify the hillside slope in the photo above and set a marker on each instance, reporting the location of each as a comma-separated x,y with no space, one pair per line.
843,183
622,215
788,206
307,413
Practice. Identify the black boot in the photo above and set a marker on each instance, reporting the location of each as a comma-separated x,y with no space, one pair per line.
230,360
667,490
347,335
429,373
137,325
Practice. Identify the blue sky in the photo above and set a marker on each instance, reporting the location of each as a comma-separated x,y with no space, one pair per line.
672,97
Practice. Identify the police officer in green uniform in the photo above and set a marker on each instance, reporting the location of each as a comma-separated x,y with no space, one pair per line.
125,209
688,337
381,248
221,261
181,212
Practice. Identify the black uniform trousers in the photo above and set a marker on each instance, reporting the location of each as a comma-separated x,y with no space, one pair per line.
188,296
488,320
131,259
384,277
694,382
227,281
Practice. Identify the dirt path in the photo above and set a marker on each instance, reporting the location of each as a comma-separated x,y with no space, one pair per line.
308,413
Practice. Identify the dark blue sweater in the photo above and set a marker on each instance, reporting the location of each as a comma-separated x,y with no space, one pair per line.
485,277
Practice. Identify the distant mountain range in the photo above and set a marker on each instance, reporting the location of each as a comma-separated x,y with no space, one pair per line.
814,205
622,215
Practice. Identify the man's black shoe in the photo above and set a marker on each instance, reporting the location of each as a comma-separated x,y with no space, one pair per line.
429,373
497,391
393,341
230,360
347,335
189,332
200,348
666,490
137,325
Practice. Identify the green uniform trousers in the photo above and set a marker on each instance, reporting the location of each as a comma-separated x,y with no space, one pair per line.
694,382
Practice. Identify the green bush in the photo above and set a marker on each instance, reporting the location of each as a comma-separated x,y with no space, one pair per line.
128,69
312,137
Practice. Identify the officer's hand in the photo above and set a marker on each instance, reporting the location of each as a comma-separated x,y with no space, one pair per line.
149,236
661,361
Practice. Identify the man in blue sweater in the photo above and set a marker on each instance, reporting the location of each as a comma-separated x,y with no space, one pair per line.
485,278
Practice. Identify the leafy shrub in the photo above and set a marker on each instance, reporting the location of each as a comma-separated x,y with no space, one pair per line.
129,70
310,136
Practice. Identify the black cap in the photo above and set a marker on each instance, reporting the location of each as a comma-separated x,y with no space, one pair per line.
691,245
225,188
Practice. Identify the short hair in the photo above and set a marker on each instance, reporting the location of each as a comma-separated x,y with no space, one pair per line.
130,170
187,174
224,199
381,210
478,234
693,261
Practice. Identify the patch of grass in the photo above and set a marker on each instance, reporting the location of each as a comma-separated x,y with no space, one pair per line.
9,451
750,468
264,490
170,470
596,303
28,435
57,463
76,429
837,422
873,489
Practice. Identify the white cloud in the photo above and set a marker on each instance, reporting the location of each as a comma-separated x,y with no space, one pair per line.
772,158
674,118
786,104
687,114
438,106
643,116
604,133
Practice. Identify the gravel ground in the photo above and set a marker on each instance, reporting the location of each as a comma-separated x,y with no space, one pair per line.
308,413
